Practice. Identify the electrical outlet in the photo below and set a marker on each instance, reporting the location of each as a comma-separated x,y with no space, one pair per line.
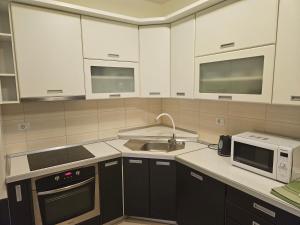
220,121
23,126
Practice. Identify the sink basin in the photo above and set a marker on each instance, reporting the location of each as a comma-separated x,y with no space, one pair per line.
146,145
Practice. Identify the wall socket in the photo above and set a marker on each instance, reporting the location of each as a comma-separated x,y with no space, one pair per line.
23,126
220,121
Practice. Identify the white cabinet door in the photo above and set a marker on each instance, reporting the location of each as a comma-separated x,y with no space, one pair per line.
245,75
236,25
155,60
287,64
182,57
104,39
111,79
48,52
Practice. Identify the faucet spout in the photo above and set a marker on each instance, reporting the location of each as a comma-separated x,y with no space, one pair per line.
172,121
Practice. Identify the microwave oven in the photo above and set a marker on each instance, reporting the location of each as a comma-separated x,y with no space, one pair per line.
271,156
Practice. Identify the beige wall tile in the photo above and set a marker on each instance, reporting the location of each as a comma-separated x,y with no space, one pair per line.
154,103
39,110
46,143
152,114
11,134
81,138
170,105
280,113
111,104
283,129
189,105
248,110
208,129
135,103
213,107
109,133
12,112
81,108
136,117
15,147
237,125
82,124
112,119
189,120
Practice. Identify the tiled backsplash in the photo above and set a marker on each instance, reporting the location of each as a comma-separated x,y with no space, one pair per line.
59,123
201,115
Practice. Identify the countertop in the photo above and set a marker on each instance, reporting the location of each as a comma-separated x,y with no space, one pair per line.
208,162
126,152
19,167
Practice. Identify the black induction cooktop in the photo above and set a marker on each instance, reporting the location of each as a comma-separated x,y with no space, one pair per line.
47,159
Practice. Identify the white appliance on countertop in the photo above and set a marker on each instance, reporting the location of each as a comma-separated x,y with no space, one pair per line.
268,155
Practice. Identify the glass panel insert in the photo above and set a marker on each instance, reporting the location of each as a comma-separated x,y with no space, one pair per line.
112,79
238,76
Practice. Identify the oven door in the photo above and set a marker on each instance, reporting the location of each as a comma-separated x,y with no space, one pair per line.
67,205
258,157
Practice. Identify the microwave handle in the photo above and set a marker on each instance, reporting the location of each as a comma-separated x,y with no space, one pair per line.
66,188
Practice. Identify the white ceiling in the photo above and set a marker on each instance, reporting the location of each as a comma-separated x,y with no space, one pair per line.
159,1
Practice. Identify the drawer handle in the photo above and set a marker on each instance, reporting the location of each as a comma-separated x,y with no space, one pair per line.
115,95
111,163
295,98
264,210
58,91
154,93
113,55
255,223
223,97
180,93
227,45
197,176
18,193
160,163
135,161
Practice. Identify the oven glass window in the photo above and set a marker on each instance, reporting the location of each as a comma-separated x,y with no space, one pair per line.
254,156
56,208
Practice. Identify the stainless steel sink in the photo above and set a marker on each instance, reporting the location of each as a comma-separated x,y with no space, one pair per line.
150,145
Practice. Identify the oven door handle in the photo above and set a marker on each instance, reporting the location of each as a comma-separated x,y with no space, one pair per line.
66,188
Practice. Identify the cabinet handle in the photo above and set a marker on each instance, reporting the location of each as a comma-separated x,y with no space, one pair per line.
180,93
295,98
111,164
135,161
18,193
154,93
197,176
227,45
161,163
113,55
58,91
115,95
223,97
255,223
264,210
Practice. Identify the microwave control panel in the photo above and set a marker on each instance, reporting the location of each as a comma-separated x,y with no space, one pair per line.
284,159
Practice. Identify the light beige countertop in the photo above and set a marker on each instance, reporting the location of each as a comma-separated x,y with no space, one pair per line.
208,162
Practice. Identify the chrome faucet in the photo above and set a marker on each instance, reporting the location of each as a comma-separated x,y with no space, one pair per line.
172,141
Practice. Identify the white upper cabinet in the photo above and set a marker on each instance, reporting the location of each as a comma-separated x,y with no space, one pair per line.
48,52
236,25
109,40
155,60
182,57
244,75
287,66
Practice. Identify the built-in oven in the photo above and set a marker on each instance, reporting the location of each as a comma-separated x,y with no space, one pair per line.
69,197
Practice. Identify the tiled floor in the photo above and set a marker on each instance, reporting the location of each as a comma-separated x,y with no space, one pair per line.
138,222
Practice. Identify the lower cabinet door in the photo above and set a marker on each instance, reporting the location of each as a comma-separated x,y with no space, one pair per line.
136,187
111,197
163,189
200,199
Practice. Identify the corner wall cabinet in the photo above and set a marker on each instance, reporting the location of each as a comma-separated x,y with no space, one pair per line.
234,25
182,57
49,57
287,67
155,60
244,75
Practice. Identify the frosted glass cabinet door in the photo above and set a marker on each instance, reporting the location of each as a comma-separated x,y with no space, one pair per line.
245,75
111,79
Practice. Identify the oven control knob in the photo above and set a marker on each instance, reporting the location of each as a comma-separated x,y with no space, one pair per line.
77,172
56,178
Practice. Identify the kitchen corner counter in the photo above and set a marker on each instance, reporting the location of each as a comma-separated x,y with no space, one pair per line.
19,167
208,162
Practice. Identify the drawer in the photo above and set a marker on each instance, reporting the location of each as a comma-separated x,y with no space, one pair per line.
252,205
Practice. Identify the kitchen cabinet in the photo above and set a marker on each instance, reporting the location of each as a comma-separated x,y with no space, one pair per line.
200,199
287,77
48,52
182,57
109,40
136,187
245,75
111,190
233,25
111,79
20,203
163,189
155,60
